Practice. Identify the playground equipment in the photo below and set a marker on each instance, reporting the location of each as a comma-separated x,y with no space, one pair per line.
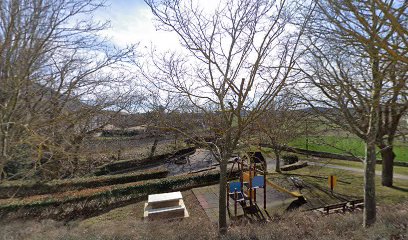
253,169
236,193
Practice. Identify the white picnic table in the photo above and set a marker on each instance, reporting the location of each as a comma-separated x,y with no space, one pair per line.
165,205
164,197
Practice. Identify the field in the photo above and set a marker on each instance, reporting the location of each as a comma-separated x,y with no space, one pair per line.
345,145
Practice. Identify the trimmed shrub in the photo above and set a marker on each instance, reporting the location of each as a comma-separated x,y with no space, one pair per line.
29,188
290,159
88,200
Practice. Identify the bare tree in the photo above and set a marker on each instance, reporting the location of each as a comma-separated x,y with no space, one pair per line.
239,55
53,65
357,67
282,123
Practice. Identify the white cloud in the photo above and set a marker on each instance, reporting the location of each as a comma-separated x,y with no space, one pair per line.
132,22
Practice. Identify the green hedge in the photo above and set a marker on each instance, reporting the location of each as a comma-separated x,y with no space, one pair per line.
126,165
108,195
29,188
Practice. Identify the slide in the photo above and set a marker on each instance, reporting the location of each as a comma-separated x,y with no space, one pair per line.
281,189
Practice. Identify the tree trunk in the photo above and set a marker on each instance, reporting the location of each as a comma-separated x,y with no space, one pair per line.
222,220
77,148
369,185
176,136
2,173
387,156
277,166
372,131
3,154
153,149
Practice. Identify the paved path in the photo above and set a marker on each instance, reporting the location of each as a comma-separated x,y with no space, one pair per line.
271,167
378,173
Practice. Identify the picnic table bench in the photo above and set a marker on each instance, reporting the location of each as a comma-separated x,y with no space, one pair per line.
356,203
342,206
351,205
165,205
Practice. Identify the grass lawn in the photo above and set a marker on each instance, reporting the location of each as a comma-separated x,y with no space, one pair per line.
344,145
348,184
399,170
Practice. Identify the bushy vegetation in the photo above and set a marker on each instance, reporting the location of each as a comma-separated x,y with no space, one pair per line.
21,188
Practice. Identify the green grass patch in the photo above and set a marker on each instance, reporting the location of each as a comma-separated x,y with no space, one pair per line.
344,145
349,184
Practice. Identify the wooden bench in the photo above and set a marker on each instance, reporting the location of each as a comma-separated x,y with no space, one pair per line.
356,203
342,206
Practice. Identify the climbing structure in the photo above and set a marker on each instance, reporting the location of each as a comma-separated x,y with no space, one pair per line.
253,169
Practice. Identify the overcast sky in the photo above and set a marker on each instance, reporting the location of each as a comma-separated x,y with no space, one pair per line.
132,22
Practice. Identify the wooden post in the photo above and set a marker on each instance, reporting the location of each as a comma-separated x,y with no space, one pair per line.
232,168
235,202
228,190
331,184
250,182
264,175
240,172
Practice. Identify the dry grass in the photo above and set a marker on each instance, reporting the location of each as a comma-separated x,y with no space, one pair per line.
121,223
126,223
390,225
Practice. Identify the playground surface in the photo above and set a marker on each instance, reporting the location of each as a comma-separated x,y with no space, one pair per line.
208,198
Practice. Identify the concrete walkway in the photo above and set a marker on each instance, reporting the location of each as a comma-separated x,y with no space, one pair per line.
208,198
378,173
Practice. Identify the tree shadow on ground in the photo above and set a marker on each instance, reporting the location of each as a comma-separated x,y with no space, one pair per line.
403,189
296,204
